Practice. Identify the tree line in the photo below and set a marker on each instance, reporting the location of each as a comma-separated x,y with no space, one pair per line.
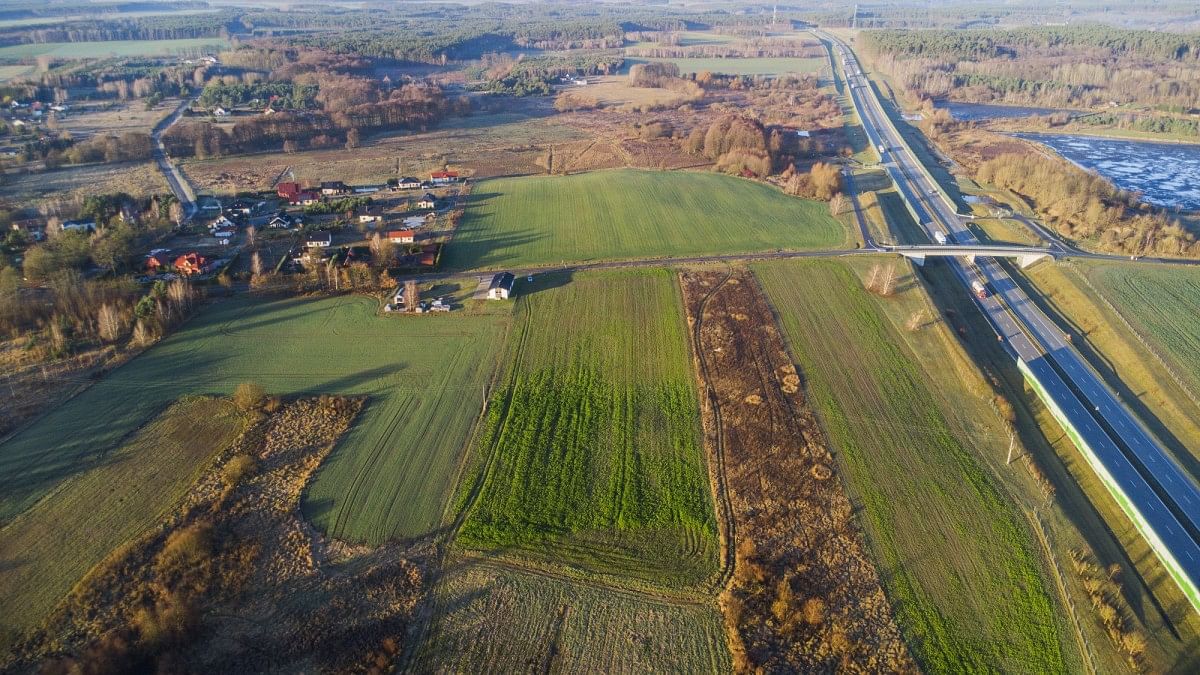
1083,206
993,43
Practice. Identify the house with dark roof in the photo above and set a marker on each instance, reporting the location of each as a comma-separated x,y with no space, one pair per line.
501,286
321,239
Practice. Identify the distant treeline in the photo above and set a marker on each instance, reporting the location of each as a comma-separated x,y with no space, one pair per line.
983,44
162,27
33,9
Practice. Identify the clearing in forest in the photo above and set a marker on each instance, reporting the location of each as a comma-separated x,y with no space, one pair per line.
590,455
627,213
958,560
391,477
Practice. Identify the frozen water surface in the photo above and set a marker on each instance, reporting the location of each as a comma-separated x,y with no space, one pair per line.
1167,174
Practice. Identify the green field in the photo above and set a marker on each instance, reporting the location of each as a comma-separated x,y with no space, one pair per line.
500,620
92,50
956,558
607,215
770,67
51,546
594,439
1163,303
392,474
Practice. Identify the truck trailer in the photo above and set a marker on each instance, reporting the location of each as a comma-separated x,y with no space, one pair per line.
980,289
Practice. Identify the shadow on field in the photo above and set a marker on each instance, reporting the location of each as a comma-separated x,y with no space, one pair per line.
541,282
351,382
488,251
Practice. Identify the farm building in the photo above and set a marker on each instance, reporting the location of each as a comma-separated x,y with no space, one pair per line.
443,177
319,239
501,286
401,236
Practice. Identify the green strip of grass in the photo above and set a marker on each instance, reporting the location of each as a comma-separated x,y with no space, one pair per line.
959,566
594,440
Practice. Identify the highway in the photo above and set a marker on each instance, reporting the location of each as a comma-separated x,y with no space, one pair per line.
1127,456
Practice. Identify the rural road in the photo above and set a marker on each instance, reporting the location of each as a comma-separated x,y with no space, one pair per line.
1164,498
175,178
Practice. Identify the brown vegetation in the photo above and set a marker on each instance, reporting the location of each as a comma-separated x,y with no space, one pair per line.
1104,590
234,580
1084,206
804,596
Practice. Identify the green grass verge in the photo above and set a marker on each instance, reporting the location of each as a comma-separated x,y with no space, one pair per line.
594,439
957,561
391,475
622,214
45,551
497,619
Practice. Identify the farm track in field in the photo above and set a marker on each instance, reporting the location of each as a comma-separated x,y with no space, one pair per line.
728,523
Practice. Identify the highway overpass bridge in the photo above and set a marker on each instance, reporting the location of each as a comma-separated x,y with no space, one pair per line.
1025,255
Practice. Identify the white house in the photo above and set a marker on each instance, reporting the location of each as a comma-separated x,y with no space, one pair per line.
501,286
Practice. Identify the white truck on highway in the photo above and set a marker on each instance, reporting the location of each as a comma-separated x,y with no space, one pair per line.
980,289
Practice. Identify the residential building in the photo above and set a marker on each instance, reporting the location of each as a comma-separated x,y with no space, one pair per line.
334,188
401,236
408,183
427,201
443,177
190,264
501,286
288,191
321,239
79,226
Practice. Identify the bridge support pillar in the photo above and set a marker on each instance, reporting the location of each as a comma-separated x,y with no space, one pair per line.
917,258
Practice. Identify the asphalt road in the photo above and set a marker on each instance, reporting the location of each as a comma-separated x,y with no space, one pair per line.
1167,499
170,172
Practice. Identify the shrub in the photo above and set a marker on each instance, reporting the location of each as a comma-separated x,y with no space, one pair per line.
237,469
248,396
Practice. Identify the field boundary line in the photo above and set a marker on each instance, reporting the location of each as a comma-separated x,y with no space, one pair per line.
1085,648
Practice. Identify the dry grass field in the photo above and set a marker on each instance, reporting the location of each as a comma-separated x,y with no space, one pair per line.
495,618
139,179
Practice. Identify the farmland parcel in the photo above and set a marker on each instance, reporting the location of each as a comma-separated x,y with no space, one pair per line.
390,477
958,563
500,619
48,548
607,215
591,455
